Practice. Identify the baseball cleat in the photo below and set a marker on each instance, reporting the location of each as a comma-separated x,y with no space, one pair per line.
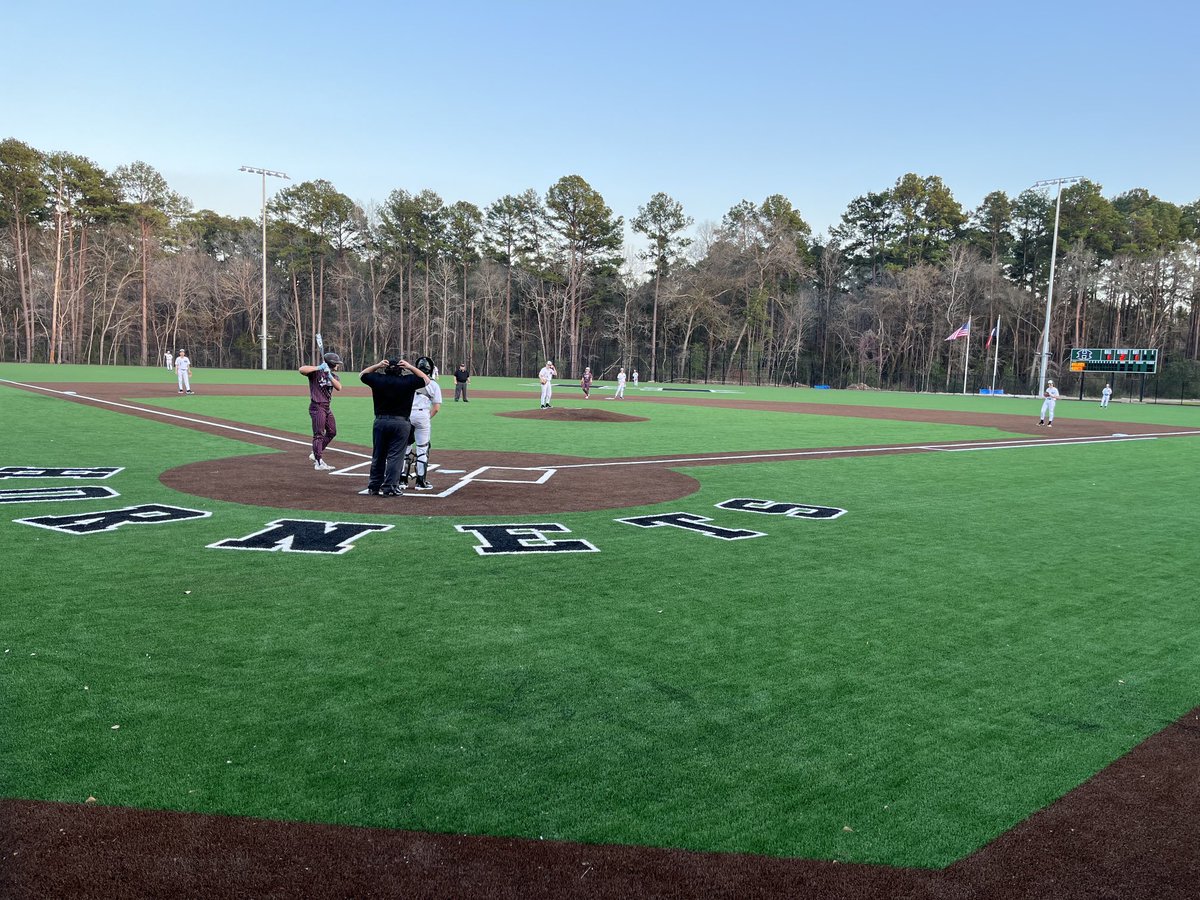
423,485
311,458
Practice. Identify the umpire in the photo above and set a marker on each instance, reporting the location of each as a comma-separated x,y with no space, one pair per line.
393,382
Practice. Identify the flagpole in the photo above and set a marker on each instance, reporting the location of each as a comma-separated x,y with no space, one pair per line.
996,363
967,355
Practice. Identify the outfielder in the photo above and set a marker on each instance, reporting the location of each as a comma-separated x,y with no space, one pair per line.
1105,396
322,382
546,376
183,369
426,403
1051,395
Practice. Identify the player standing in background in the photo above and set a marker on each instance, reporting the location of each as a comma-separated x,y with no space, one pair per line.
426,403
462,378
1051,395
635,377
322,382
167,358
546,376
183,371
1105,396
620,393
586,382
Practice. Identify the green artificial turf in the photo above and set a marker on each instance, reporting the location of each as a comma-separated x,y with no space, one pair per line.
977,635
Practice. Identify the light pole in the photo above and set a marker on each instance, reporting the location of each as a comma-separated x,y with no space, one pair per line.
1053,256
264,173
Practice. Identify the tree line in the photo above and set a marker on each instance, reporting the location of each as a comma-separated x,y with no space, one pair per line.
114,267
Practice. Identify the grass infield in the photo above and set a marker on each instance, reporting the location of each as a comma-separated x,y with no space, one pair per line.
977,635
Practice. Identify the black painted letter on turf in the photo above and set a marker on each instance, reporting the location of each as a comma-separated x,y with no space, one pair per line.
112,519
777,508
55,494
95,473
692,522
302,536
513,538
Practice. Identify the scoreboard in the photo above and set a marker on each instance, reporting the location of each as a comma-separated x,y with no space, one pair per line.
1114,360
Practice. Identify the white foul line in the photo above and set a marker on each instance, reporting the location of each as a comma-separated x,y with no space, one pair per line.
677,461
181,418
947,448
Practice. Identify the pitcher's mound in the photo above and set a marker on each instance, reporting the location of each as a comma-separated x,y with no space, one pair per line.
573,414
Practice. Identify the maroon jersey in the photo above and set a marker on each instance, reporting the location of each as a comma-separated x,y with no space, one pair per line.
320,387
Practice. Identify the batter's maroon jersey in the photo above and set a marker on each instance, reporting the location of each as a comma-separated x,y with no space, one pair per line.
320,387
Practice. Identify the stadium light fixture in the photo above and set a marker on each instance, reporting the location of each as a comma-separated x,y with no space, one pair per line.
1053,256
264,173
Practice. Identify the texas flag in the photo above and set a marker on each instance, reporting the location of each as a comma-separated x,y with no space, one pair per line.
963,331
995,333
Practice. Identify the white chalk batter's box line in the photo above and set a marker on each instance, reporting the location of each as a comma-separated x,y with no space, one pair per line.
481,475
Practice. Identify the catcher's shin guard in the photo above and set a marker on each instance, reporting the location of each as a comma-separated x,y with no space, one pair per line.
422,456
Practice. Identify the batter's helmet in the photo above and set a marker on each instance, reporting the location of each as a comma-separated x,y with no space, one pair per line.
332,359
425,364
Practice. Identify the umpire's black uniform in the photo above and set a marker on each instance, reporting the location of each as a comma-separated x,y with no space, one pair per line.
393,383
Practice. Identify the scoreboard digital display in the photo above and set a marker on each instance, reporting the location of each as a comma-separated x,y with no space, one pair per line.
1114,360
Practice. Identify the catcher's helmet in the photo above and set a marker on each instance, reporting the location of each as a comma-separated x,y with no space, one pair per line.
425,364
332,359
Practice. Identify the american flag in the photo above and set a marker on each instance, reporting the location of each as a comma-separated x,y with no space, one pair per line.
963,331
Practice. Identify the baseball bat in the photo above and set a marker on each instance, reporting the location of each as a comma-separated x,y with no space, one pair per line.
320,347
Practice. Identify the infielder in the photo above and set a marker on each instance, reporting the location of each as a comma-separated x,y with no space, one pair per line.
1105,396
620,393
183,370
546,377
322,382
586,382
426,403
1051,395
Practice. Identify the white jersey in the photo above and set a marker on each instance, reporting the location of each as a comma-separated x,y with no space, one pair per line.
182,364
620,379
426,398
1051,393
546,374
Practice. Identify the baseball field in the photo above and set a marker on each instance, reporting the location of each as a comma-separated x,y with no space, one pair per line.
703,641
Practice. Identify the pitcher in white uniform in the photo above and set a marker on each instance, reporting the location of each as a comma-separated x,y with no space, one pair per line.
546,377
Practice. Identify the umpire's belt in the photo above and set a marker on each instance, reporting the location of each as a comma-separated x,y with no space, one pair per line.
391,417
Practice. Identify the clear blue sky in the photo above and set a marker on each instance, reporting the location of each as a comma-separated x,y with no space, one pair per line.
711,103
